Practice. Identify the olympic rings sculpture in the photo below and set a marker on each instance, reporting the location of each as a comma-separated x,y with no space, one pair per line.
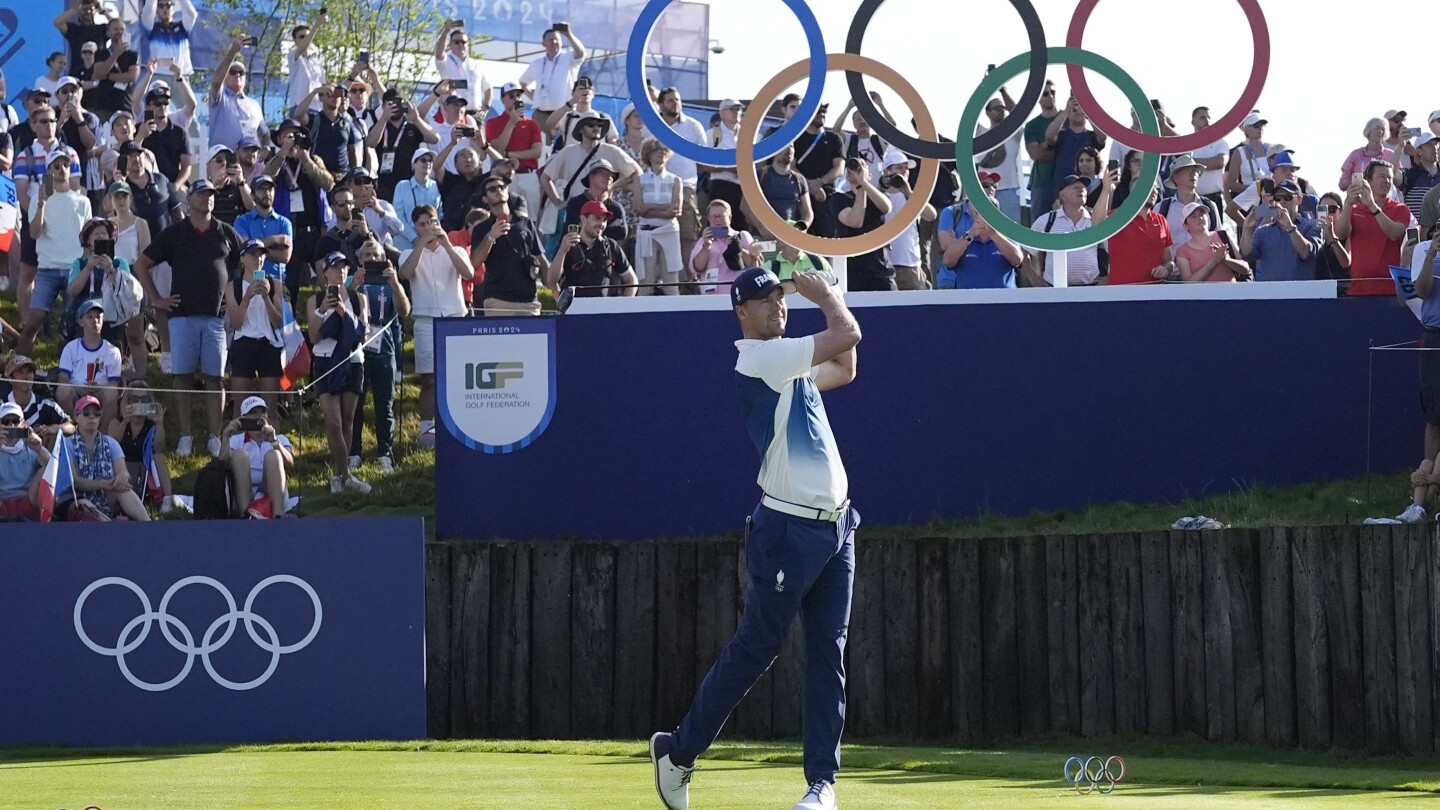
129,640
1093,774
927,149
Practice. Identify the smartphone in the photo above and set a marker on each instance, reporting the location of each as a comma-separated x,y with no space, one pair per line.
1357,177
49,183
149,114
1112,165
1414,132
105,247
257,276
1267,186
572,229
1322,214
1412,234
364,58
332,292
457,23
251,423
502,217
144,408
250,42
164,61
1155,103
1265,211
767,247
375,273
460,84
990,68
16,433
719,231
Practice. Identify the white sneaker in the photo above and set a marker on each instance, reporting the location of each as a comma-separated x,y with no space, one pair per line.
337,485
1414,513
354,462
672,781
184,446
356,485
213,445
386,465
820,796
165,363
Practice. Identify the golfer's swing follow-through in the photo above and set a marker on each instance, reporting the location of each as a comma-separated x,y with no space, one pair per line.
800,541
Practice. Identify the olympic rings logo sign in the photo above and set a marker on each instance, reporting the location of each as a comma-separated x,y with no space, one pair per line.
929,150
1094,774
138,629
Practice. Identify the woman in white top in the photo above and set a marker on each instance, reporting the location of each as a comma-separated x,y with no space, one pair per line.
253,314
132,236
656,195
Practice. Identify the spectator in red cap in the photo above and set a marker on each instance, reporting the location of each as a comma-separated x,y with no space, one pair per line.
98,465
590,260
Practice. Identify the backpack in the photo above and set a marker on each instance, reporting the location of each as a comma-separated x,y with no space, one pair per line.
1212,217
214,499
1102,256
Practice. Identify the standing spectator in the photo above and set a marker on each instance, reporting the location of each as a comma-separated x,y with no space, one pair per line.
860,209
508,246
1205,256
247,153
717,257
104,278
117,66
659,196
563,130
1333,259
156,203
181,117
1358,161
1083,265
981,259
1185,174
1143,252
233,115
79,25
260,460
632,140
1042,153
956,220
1373,225
458,66
232,193
599,187
263,223
862,143
168,34
338,141
122,130
41,412
1070,136
49,81
410,194
1396,140
90,364
784,189
1282,169
337,329
672,112
22,462
379,215
363,102
254,311
350,231
905,250
97,466
590,260
132,235
821,160
1211,158
397,142
386,305
552,73
302,184
1003,160
518,138
434,269
457,130
724,183
307,74
1285,249
460,189
79,128
1424,173
1247,164
571,165
141,434
57,213
789,260
166,140
202,252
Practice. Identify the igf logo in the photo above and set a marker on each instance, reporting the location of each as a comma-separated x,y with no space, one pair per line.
487,376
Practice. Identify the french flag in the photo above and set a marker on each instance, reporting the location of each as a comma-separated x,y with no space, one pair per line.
294,353
153,490
57,479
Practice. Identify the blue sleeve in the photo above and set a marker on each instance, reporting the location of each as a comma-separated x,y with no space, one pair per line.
947,219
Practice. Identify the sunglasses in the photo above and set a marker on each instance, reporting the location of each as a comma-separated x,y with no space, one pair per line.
357,90
42,120
427,159
363,181
1331,209
93,413
9,423
346,203
459,42
237,72
493,189
1284,198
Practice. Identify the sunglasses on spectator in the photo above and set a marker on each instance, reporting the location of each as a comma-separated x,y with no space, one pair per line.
357,89
493,189
12,422
347,203
237,72
459,42
364,181
164,5
1332,209
427,158
93,413
1284,197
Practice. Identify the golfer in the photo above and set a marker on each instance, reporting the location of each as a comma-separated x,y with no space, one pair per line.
800,541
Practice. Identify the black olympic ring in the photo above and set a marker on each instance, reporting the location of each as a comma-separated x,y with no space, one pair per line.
915,147
1092,773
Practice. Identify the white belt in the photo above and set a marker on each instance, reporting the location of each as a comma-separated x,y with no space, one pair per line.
805,511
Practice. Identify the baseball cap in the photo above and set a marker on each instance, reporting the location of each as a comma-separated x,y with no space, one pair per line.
335,258
247,142
893,158
17,362
509,87
11,409
1391,115
261,180
91,304
421,152
118,115
65,81
130,148
1191,208
1425,137
454,99
288,123
1072,178
1290,186
1284,159
756,283
597,165
218,149
83,402
89,47
994,179
254,246
1254,120
594,208
201,186
118,187
250,404
730,102
61,152
1434,115
356,173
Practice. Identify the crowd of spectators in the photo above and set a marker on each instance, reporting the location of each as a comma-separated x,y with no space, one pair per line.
370,210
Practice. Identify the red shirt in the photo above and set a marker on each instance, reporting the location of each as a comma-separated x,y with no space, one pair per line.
1371,252
525,135
1139,248
461,239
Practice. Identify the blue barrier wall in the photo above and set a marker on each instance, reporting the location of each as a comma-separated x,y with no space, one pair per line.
263,668
958,410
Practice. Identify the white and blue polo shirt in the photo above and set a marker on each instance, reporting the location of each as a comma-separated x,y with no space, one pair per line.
799,461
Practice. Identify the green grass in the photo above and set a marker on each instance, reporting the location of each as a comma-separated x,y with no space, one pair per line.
1175,773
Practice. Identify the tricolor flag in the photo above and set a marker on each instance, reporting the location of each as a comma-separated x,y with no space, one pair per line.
294,354
9,211
57,479
153,490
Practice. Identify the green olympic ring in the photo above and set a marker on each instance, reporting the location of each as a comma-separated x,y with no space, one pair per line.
970,178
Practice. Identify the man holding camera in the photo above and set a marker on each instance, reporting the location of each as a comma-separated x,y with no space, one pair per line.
553,72
860,209
591,260
905,250
395,141
301,185
518,138
165,139
458,67
22,461
338,141
232,195
233,114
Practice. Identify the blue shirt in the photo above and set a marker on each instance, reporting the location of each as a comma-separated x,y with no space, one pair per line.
983,267
956,219
1429,307
255,225
780,403
1274,257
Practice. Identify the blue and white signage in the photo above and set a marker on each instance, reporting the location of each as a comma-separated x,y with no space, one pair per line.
496,391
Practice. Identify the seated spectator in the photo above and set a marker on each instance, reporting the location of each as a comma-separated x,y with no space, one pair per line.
1373,226
599,184
90,364
41,413
23,457
98,465
260,459
1333,259
658,199
717,258
1358,161
981,259
859,209
387,306
57,214
1205,256
1143,252
168,33
789,260
1424,173
99,276
904,256
254,311
1283,249
785,189
337,324
434,269
591,261
140,430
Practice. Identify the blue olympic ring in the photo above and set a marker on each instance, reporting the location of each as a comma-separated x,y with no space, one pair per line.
709,155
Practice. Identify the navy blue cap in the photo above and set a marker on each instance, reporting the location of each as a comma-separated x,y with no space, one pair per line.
334,258
1072,178
201,185
254,246
261,180
93,303
1290,186
756,283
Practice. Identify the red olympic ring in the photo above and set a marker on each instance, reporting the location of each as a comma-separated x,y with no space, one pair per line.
1174,144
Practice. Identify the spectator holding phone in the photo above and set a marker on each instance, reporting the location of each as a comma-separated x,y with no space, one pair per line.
589,259
904,256
101,275
339,142
307,73
1358,161
78,25
1373,225
420,189
1285,248
380,216
57,215
140,430
167,25
507,244
98,465
254,307
386,306
456,130
232,194
434,268
23,457
338,319
117,66
398,141
302,184
233,114
260,459
456,64
166,140
722,252
552,73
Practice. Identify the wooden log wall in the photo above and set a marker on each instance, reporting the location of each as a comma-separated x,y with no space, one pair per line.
1313,637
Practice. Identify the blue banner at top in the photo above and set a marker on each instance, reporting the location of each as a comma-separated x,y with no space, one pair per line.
26,38
683,30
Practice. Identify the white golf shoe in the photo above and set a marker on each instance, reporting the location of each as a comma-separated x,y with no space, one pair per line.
820,796
672,781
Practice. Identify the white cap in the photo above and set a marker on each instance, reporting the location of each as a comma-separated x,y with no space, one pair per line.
1191,208
11,409
897,158
1425,137
250,404
730,102
419,153
1435,114
1253,119
217,149
59,152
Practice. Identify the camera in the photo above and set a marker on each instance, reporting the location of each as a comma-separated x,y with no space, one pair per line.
465,131
891,181
105,247
250,42
460,84
854,164
251,423
302,140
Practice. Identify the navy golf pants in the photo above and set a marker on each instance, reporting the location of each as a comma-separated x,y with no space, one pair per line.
796,566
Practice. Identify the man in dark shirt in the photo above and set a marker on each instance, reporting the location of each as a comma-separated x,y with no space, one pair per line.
462,189
78,126
859,210
232,195
116,68
395,141
589,259
338,139
80,25
152,197
168,142
599,180
819,156
202,252
508,246
349,233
